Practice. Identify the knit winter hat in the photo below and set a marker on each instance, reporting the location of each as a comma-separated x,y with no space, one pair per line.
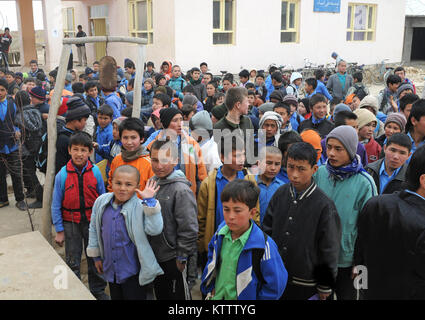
364,117
39,93
277,94
77,109
88,71
290,99
118,120
219,111
201,120
347,135
268,106
271,115
167,114
295,76
397,118
313,138
189,99
341,107
370,101
68,77
404,87
149,80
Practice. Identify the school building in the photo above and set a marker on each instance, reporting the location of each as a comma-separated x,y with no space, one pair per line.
233,34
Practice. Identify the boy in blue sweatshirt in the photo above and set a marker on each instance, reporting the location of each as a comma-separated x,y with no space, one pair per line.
118,235
243,263
104,129
76,188
267,180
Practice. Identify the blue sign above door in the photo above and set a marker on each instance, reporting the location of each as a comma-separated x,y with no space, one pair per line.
327,5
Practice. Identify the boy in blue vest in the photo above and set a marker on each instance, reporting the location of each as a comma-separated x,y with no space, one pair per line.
9,156
77,186
243,263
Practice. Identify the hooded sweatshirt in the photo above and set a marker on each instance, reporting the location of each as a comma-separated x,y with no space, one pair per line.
179,213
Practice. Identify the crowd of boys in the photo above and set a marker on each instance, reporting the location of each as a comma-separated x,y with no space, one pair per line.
273,189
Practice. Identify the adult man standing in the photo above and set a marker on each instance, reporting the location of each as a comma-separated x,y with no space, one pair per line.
81,47
5,42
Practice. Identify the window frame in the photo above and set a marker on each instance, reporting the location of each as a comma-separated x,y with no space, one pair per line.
372,29
71,33
296,27
133,20
222,20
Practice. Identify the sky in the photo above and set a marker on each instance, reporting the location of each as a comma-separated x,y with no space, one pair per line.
8,16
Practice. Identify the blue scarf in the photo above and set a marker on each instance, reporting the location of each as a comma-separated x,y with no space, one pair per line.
345,172
317,121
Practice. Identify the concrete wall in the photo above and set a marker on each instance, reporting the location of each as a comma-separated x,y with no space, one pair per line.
258,36
411,22
163,47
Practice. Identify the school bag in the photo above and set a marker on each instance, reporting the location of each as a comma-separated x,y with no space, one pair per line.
360,91
31,125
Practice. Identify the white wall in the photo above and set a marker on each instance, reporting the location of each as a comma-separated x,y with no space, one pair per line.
258,36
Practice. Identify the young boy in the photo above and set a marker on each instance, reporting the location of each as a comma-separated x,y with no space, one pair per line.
76,117
93,99
104,134
188,112
96,66
243,77
9,153
318,121
71,217
210,210
113,101
237,104
389,173
38,99
240,250
13,87
271,122
267,180
367,124
177,242
149,72
132,153
389,94
295,83
284,110
196,82
358,88
160,100
260,87
344,181
395,123
119,258
177,83
406,104
305,223
310,86
285,141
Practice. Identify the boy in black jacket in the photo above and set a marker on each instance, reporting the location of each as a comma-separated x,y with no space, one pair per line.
306,227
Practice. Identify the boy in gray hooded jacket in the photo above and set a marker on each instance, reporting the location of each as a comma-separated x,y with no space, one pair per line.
177,242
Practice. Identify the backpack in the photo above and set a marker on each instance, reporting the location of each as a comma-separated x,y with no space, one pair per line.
31,125
359,90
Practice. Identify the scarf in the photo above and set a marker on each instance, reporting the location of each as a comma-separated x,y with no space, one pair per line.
317,121
345,172
129,156
195,82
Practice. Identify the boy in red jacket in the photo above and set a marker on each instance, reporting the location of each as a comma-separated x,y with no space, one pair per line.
367,124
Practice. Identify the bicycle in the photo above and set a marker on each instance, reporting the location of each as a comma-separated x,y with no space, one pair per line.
379,73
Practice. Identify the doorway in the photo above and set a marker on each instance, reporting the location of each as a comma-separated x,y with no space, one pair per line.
98,28
418,44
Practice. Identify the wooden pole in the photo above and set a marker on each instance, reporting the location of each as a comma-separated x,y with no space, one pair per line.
104,39
138,82
46,222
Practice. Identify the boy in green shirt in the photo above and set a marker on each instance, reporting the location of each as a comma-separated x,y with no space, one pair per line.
243,263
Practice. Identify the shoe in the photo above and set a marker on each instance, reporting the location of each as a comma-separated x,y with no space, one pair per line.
35,205
4,204
21,205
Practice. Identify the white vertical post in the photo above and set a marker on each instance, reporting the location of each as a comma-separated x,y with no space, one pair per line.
137,99
46,224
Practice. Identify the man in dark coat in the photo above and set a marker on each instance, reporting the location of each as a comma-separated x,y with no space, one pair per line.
391,239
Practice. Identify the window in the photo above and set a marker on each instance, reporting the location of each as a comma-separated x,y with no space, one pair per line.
361,22
68,22
140,13
289,23
223,21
